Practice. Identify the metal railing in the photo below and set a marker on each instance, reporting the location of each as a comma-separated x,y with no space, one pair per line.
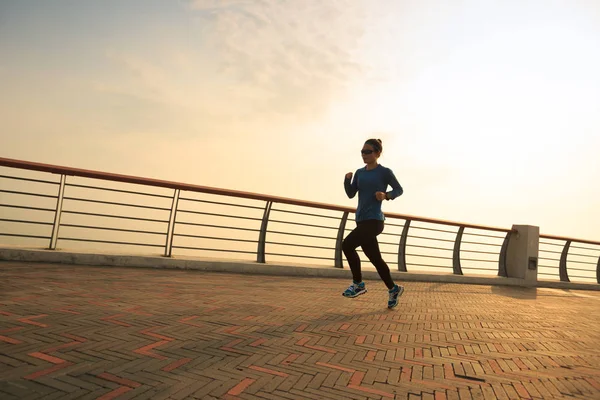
105,209
571,258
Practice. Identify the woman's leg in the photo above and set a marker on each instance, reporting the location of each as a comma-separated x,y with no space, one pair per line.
349,246
370,247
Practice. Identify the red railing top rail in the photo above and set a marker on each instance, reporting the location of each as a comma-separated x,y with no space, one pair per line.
55,169
552,237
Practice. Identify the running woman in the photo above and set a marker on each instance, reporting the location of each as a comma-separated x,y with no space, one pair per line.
371,183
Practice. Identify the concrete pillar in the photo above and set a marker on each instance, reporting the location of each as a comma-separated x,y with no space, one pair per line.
522,253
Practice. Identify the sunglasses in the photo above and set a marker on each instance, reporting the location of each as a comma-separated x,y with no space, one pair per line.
366,151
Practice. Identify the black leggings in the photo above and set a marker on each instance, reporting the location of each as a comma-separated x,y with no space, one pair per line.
365,236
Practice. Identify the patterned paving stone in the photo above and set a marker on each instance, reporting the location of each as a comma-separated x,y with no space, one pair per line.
117,333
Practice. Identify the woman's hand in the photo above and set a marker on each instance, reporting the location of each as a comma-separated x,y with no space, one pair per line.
380,196
349,175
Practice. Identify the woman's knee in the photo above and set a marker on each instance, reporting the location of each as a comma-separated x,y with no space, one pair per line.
345,245
377,260
373,254
348,245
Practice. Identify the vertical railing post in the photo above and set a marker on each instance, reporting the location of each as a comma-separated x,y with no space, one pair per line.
456,253
562,266
262,239
340,240
171,224
502,271
598,271
402,247
58,212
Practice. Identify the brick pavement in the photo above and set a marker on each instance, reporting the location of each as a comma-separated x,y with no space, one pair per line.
71,332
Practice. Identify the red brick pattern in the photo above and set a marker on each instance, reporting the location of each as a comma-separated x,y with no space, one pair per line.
110,333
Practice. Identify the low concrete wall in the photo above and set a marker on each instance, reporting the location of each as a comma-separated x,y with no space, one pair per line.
234,266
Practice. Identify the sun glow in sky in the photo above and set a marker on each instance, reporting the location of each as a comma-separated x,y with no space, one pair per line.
489,111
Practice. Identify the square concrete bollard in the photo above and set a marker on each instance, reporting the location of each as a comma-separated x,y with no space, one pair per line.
522,253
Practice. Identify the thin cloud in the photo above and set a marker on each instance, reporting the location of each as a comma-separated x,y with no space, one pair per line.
247,64
303,53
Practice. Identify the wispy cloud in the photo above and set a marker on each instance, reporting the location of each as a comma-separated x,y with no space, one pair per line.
246,66
302,53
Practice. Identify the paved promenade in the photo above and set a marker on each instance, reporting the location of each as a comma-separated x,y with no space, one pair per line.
73,332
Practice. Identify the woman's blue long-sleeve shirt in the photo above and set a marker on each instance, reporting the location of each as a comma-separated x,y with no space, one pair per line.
367,183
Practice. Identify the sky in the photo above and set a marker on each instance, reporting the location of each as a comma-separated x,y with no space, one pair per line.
489,111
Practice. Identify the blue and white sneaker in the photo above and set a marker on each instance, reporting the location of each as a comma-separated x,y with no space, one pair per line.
395,293
356,289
